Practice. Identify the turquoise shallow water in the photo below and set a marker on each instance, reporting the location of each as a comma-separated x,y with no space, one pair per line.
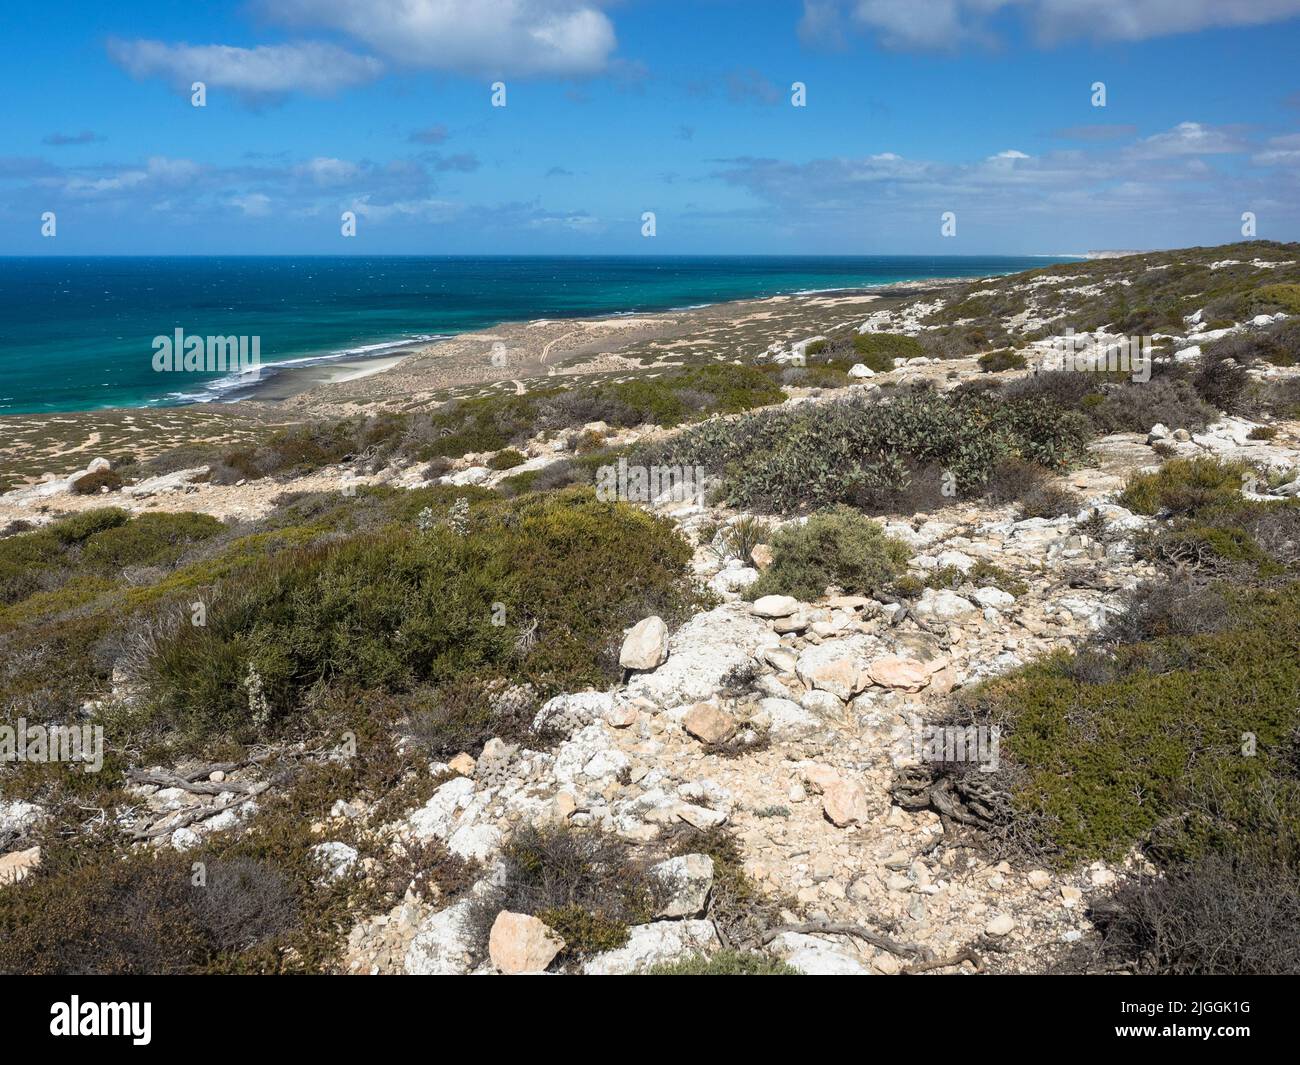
77,333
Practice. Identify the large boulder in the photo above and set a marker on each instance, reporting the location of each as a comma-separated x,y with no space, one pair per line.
839,676
901,674
646,645
775,606
520,943
708,724
844,802
943,605
436,819
818,957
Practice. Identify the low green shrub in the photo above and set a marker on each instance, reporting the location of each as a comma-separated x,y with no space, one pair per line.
1185,487
840,547
1179,742
149,540
506,460
1277,298
725,963
94,483
78,527
879,350
583,883
745,534
998,361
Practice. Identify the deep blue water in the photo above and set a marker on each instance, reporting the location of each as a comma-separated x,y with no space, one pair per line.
77,333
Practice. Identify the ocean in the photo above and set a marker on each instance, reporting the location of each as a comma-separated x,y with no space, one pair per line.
78,333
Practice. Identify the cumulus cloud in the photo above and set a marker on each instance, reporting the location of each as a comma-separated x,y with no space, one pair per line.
1200,169
261,73
159,173
1188,138
254,204
504,37
913,25
1280,151
325,171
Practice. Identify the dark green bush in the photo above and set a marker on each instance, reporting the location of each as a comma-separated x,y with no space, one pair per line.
149,540
879,350
506,460
583,883
998,361
78,527
1182,742
93,483
400,607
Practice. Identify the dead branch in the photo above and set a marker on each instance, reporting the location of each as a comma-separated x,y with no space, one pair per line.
830,928
966,954
187,783
190,817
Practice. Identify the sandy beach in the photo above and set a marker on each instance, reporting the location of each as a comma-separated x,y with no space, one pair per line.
513,355
522,352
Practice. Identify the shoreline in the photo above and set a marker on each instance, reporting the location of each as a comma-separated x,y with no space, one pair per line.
546,347
305,373
516,356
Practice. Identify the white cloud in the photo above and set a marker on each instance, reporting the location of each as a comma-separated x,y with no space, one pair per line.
1187,138
327,172
1138,20
1010,153
947,24
158,173
1281,151
497,38
424,210
254,205
253,73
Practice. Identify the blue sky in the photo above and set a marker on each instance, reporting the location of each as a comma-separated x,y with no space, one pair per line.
383,108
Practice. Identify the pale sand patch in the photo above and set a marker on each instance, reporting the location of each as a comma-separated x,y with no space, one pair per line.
837,301
353,373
